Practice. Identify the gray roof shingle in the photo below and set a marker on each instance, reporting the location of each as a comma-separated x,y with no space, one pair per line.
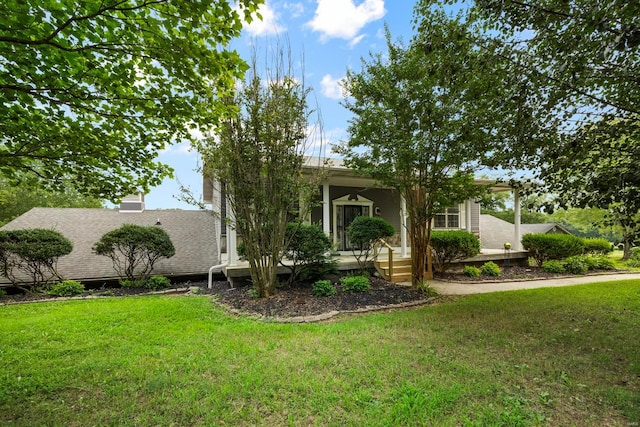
495,232
192,233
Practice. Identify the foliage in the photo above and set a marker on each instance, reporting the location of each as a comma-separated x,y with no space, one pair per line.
355,284
587,222
575,265
526,217
66,288
429,115
90,92
16,200
597,246
157,282
553,266
490,269
134,249
543,247
471,271
324,288
33,252
259,154
363,234
450,246
634,258
308,249
600,262
2,292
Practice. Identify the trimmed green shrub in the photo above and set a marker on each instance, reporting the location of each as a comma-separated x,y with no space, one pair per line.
323,288
355,284
553,266
597,246
309,252
134,249
156,283
543,247
33,252
450,246
490,269
575,265
2,292
363,233
132,283
471,271
66,288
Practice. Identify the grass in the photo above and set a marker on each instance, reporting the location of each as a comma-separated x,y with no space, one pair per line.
616,257
557,356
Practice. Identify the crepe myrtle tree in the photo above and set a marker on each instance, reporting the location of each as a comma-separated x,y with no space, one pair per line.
91,91
134,249
427,116
259,153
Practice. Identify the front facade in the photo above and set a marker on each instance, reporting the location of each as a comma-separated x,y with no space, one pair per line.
343,195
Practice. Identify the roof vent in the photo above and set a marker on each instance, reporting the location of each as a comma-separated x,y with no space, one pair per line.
133,203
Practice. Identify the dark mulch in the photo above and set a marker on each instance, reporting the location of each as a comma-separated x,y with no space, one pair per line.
507,274
299,301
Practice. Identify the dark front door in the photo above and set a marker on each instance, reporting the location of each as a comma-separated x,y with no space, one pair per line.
350,213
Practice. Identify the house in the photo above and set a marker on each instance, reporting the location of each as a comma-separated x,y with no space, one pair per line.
193,234
496,232
344,195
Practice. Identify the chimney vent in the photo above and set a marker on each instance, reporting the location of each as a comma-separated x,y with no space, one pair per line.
133,203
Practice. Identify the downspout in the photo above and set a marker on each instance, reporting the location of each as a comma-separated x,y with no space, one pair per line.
216,267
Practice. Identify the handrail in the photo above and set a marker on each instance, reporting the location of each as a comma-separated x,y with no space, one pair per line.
390,256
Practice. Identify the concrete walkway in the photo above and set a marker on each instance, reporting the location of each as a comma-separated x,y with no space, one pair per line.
458,288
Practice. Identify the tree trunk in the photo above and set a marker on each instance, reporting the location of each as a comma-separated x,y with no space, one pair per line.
626,254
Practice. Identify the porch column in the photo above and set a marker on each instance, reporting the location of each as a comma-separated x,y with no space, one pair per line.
403,227
516,220
326,222
467,214
232,242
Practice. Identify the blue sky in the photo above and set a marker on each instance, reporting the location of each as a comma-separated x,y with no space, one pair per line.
333,36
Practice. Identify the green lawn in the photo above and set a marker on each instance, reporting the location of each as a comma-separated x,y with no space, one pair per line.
562,356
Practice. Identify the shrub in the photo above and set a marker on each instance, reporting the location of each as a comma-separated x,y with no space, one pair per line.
157,282
598,262
132,283
355,284
33,252
553,266
324,288
543,247
450,246
471,271
363,233
575,265
309,252
2,292
597,246
134,249
634,258
490,269
67,288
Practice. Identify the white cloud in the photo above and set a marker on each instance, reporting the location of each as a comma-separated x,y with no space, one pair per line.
295,9
331,88
268,25
343,19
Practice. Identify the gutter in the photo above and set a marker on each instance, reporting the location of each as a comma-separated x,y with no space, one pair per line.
216,267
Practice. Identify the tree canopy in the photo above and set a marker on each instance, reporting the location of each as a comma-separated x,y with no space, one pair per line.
90,92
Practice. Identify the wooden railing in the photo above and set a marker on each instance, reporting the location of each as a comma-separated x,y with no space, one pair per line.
389,254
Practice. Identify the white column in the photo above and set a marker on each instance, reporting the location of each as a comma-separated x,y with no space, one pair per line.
326,222
403,227
467,215
516,221
232,242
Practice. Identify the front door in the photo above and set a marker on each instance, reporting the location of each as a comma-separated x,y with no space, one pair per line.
350,212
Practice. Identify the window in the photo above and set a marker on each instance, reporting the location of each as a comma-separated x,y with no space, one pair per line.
449,218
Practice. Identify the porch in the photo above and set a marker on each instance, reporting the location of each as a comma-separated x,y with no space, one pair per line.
398,272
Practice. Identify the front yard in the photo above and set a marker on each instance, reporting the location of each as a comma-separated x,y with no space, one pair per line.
562,356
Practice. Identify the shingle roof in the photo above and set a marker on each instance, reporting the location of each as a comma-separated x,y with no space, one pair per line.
494,232
192,234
